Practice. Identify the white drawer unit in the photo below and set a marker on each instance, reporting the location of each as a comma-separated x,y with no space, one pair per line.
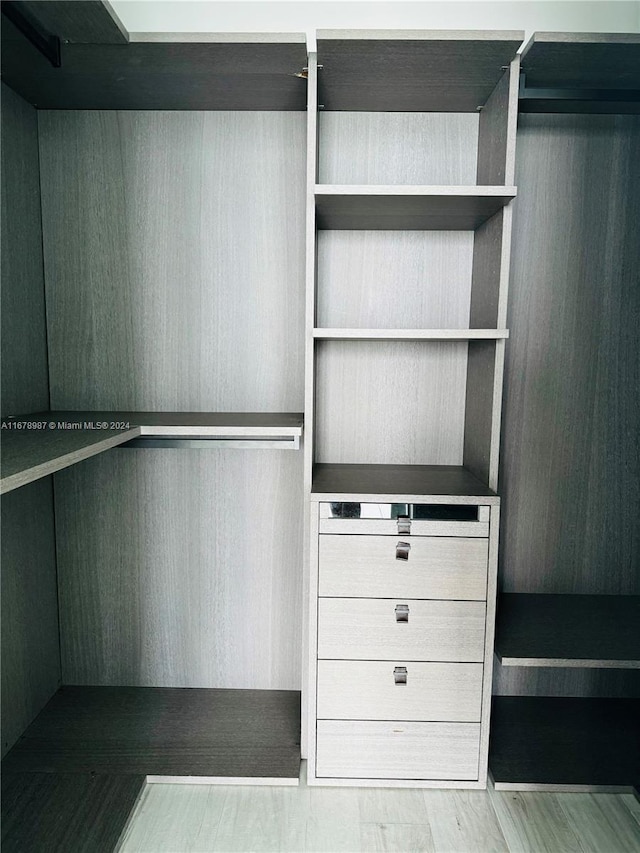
386,628
397,750
401,565
402,607
399,690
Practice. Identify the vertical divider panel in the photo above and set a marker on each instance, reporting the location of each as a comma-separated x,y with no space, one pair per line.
309,374
490,281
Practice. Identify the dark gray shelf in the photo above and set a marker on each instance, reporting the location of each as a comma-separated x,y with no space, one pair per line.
450,483
83,21
399,208
395,70
568,630
234,72
581,73
161,731
79,812
541,742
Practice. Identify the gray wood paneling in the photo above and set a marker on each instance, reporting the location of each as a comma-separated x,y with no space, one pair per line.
30,651
390,402
571,458
30,654
482,409
181,569
398,70
24,345
394,279
179,286
398,148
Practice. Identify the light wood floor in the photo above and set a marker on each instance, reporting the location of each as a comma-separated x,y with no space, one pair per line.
186,818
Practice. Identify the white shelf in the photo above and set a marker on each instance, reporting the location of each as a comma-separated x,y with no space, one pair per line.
411,334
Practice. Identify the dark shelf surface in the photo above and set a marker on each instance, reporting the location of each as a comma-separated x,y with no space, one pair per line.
568,630
161,731
582,60
79,21
541,741
66,812
437,483
399,208
224,72
414,70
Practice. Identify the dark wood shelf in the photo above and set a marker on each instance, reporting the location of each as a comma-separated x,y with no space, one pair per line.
226,71
550,743
162,731
411,70
79,812
581,73
568,630
413,483
403,207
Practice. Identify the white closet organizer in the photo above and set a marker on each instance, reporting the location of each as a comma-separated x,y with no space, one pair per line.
410,177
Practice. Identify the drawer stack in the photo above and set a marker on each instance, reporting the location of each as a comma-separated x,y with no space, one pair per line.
400,648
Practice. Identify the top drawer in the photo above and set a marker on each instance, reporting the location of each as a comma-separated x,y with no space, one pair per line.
405,519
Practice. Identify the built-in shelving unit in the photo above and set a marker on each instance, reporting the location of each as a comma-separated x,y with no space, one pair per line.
553,743
568,630
61,439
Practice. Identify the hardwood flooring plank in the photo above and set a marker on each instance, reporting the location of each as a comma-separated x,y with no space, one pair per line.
601,822
463,821
534,823
391,805
164,731
400,837
65,812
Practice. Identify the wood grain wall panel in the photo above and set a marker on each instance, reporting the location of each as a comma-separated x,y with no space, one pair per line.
571,456
181,568
394,279
543,681
24,344
397,148
390,403
174,256
30,649
30,652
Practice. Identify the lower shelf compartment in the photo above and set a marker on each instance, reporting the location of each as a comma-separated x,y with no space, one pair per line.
550,743
161,731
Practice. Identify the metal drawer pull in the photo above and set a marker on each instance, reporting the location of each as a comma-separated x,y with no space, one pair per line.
404,524
402,550
402,612
400,675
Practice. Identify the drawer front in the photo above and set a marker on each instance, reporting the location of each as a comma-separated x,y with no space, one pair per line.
367,690
386,629
397,750
435,567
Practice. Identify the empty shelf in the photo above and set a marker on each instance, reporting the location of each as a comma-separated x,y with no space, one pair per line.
568,630
161,731
80,812
549,743
414,483
414,70
28,454
410,334
401,207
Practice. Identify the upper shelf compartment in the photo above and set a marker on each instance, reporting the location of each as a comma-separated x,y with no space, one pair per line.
391,208
581,73
226,71
411,70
